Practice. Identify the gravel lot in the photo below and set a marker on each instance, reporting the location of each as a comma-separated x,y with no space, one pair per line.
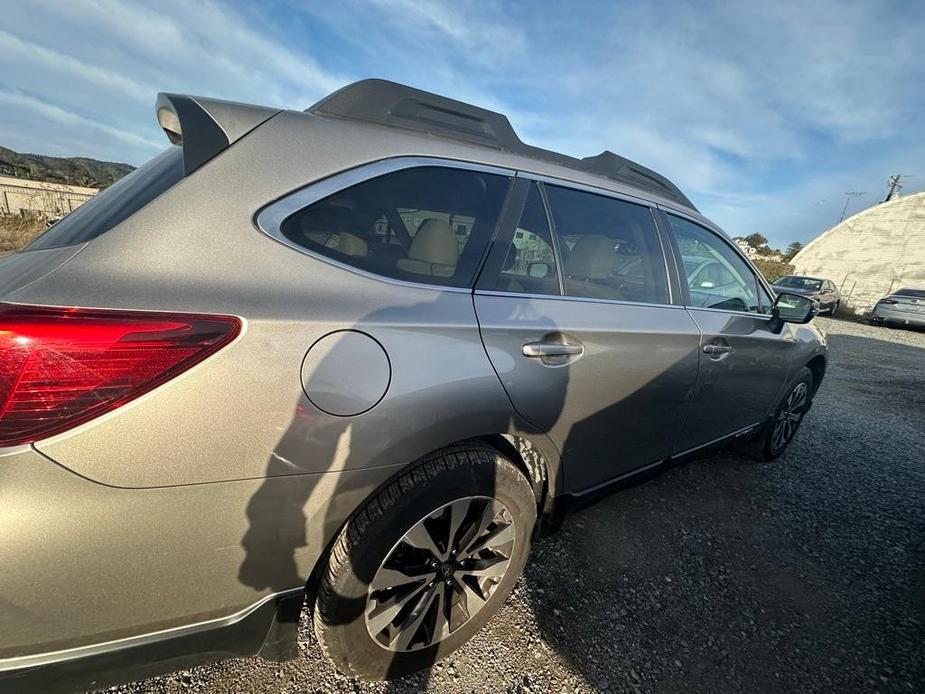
720,575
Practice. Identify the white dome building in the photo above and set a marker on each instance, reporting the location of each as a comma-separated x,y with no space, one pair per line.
872,253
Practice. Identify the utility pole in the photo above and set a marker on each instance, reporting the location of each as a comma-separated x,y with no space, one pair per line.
894,187
848,195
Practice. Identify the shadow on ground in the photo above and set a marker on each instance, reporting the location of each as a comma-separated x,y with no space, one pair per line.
720,575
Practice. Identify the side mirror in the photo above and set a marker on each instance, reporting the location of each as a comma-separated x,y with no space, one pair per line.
793,308
538,270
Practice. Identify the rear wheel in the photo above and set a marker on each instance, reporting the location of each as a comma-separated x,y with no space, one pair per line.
834,308
423,564
780,429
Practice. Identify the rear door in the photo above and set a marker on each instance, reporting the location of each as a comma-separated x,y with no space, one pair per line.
744,355
576,316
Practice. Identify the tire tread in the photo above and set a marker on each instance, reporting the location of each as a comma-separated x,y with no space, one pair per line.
377,506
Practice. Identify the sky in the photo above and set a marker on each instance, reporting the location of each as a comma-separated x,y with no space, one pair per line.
764,114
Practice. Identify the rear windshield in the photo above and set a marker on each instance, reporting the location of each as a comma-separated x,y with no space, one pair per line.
917,293
118,202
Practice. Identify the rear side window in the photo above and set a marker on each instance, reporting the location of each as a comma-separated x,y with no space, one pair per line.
529,265
115,204
916,293
428,224
609,248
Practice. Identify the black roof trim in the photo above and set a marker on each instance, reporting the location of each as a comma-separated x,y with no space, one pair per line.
392,104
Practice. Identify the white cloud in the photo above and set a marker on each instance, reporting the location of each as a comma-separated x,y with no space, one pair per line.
18,50
104,62
14,100
756,109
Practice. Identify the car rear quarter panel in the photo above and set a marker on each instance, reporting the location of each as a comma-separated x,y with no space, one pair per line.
85,563
196,248
226,484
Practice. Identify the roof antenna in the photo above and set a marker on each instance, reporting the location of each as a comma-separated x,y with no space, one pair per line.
895,186
848,195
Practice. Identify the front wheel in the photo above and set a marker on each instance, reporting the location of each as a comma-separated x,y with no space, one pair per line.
780,429
424,563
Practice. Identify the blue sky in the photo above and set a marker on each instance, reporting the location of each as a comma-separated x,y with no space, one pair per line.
764,114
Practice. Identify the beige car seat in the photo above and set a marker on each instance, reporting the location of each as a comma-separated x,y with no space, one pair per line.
434,251
588,267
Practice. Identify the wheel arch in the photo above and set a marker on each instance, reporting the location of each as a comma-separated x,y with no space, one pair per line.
531,461
542,470
817,366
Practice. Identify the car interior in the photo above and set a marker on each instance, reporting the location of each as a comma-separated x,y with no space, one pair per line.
414,225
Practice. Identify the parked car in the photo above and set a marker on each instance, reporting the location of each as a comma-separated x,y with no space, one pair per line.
357,357
822,291
902,307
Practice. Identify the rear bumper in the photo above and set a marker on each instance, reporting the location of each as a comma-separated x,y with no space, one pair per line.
99,584
884,314
268,628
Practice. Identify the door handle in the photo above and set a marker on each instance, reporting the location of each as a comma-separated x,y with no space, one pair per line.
717,349
552,349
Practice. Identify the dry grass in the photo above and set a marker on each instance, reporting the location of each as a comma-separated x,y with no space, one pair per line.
16,231
772,269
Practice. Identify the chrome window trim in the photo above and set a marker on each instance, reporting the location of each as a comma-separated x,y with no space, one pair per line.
721,235
585,299
762,316
587,188
270,218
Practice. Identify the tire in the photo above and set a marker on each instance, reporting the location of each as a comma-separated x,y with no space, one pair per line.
356,598
834,308
768,445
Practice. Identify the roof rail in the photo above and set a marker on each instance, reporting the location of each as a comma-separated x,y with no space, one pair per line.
392,104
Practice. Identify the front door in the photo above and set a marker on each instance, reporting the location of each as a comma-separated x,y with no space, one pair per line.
577,322
744,354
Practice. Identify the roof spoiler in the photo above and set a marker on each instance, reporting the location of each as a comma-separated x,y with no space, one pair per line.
206,127
392,104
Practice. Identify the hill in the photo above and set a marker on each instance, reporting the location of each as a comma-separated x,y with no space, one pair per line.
75,171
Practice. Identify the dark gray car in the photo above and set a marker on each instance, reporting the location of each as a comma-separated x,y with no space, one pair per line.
356,356
822,291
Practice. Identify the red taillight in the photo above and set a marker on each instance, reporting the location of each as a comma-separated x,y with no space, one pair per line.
60,367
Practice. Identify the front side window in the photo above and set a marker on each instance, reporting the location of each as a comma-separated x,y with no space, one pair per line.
716,276
529,265
609,248
427,224
764,299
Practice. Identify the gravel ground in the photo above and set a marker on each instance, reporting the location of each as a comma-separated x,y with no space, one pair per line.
721,574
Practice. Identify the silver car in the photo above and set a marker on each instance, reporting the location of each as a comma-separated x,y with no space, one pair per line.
904,307
357,358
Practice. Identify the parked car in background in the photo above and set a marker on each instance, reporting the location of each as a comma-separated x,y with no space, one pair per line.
357,356
822,291
902,307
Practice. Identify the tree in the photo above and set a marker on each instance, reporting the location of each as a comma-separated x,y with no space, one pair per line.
792,250
757,241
